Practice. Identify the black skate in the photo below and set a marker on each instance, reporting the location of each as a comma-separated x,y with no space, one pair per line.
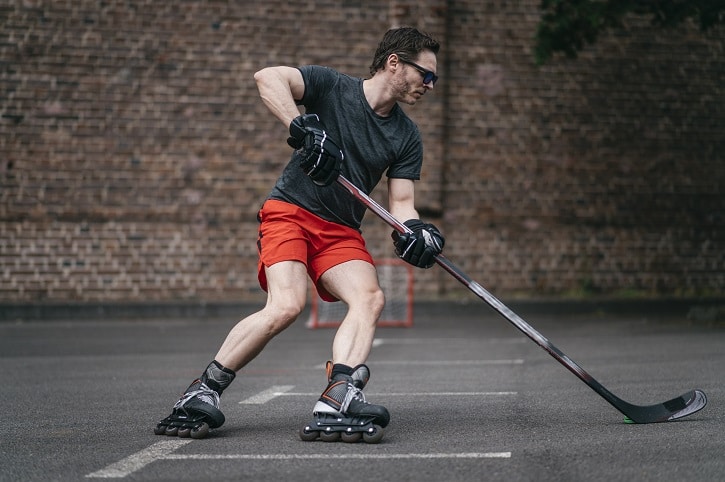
194,414
197,411
342,413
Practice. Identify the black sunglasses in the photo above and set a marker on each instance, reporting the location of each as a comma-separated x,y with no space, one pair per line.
428,76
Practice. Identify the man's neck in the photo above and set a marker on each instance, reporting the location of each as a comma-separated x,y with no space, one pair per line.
378,96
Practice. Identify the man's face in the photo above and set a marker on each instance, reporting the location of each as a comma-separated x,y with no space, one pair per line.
408,86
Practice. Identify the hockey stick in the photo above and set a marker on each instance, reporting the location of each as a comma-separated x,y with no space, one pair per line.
678,407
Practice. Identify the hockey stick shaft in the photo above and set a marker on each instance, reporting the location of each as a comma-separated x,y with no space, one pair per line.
674,408
480,291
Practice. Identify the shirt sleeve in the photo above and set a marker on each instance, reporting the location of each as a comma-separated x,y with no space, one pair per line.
408,164
319,81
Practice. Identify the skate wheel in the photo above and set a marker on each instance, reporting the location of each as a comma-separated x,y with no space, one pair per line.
200,432
375,436
184,432
351,437
172,431
329,436
307,435
160,430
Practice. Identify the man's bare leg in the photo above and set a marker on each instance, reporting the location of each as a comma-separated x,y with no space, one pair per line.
286,297
356,283
342,412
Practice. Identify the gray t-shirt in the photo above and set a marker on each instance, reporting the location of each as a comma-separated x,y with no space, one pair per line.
371,144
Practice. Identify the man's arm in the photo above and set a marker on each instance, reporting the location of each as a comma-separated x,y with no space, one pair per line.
320,158
279,88
420,246
401,199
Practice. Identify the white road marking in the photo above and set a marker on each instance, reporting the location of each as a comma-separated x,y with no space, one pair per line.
413,394
443,363
429,341
163,451
267,395
327,456
284,391
445,394
139,460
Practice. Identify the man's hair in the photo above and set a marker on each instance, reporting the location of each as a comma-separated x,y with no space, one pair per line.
408,42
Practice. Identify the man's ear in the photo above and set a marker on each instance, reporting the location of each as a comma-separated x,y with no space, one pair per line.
393,62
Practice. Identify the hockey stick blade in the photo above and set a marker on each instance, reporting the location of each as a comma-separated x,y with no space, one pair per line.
678,407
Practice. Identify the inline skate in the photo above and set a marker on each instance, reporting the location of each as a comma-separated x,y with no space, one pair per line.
197,411
342,413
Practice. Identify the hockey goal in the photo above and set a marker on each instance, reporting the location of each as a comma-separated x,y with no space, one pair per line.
396,280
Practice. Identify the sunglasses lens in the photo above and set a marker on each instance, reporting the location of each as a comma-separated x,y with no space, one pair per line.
428,76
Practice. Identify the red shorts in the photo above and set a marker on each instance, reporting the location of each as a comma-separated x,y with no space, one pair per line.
290,233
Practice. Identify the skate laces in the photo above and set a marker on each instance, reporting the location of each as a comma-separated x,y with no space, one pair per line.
353,393
203,393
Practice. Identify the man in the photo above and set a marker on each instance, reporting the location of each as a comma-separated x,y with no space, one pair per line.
309,226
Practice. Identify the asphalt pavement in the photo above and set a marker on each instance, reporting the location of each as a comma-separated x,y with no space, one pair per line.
470,397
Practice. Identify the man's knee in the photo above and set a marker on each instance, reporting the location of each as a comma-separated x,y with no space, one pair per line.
370,302
282,313
377,301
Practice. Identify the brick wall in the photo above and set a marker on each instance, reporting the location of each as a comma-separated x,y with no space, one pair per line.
135,152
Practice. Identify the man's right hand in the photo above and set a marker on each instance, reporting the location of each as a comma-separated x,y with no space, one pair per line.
320,157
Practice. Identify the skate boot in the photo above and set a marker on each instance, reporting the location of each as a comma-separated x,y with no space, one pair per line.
197,410
342,413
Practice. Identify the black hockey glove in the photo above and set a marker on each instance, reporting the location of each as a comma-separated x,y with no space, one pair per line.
320,157
420,247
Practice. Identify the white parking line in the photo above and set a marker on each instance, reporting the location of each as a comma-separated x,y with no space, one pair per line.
442,363
326,456
267,395
139,460
285,391
436,341
163,451
412,394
